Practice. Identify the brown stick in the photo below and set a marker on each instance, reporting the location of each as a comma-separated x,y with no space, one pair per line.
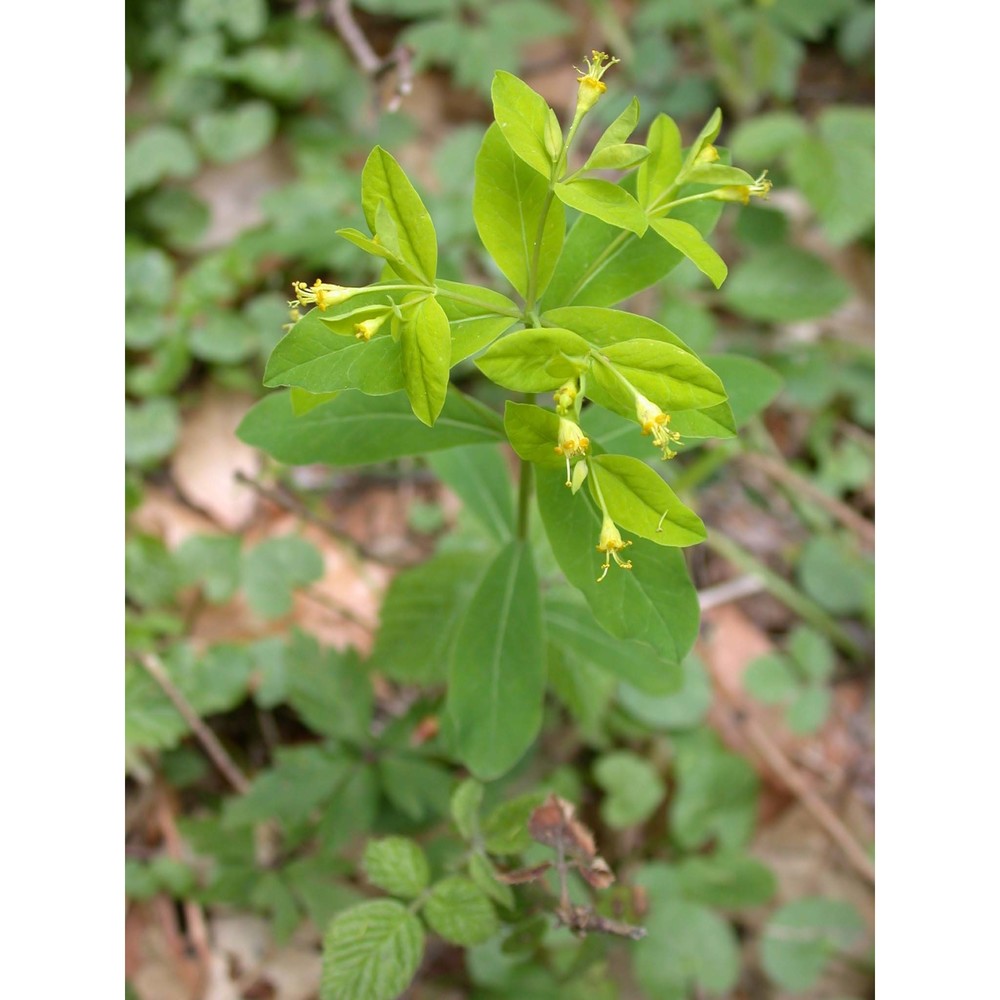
781,473
208,740
373,65
792,779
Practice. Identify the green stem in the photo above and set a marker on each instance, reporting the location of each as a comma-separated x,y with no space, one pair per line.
490,307
780,588
680,201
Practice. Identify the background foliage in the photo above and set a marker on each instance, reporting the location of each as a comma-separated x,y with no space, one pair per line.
247,125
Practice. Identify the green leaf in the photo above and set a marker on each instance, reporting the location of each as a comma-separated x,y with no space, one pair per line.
812,652
425,339
760,140
522,115
303,400
713,422
684,237
672,378
355,429
465,803
706,137
383,180
151,721
301,779
505,830
156,153
682,710
421,614
460,912
533,433
687,946
809,711
623,156
371,952
507,205
601,265
604,327
474,325
481,480
483,873
751,385
536,360
641,502
783,284
213,561
727,879
605,201
151,431
633,789
274,568
570,625
316,357
658,172
838,578
398,865
235,134
620,129
718,174
418,788
243,19
654,602
716,794
803,936
771,679
497,679
223,338
327,689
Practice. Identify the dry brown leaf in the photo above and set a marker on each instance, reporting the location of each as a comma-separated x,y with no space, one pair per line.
209,455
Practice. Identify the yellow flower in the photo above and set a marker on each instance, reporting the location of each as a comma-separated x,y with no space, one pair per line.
708,155
367,328
322,294
571,442
611,544
654,421
591,86
565,396
742,193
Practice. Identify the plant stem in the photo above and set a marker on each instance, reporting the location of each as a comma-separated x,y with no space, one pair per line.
779,587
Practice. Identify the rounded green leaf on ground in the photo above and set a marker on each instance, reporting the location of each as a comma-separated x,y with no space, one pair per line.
460,912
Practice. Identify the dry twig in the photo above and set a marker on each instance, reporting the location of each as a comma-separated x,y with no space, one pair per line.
208,740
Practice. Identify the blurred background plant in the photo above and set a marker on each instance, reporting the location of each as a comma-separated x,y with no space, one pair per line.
281,693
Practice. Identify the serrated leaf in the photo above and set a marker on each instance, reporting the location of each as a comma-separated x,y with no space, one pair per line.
505,830
482,873
274,568
398,865
213,561
640,501
716,794
497,678
425,340
633,789
536,360
460,912
801,937
653,603
684,237
383,181
418,788
465,803
521,115
371,952
507,206
605,201
355,429
726,879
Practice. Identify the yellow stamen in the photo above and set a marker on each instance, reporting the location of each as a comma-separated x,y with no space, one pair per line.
322,294
654,421
572,442
591,86
611,544
367,328
742,193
